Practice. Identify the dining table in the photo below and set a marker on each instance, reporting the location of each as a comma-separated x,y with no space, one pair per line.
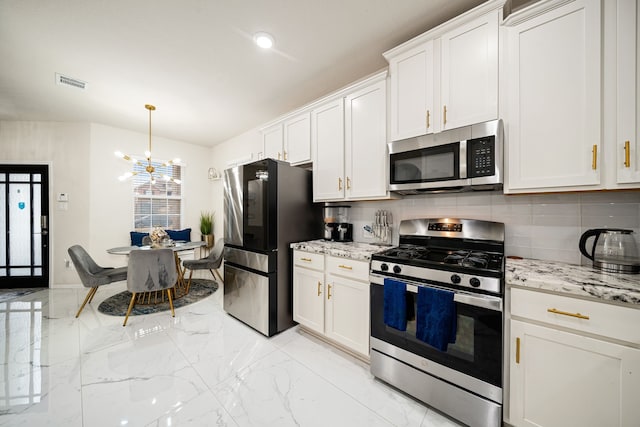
180,288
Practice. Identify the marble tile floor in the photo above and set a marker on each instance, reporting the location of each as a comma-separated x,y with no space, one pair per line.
201,368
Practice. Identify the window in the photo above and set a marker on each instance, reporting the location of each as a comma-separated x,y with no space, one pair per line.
159,203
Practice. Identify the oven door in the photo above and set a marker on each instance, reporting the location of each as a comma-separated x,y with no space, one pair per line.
477,351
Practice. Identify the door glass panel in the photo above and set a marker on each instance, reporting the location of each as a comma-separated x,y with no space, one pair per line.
37,249
37,210
19,177
20,220
3,226
37,226
37,177
21,272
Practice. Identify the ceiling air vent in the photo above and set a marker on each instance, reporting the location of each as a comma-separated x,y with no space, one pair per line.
69,81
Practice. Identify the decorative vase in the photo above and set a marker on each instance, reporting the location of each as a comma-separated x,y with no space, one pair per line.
157,236
208,239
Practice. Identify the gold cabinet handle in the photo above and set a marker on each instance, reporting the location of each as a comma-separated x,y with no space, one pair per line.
428,119
348,183
444,115
278,155
319,286
594,161
346,267
285,154
518,350
339,183
305,259
328,291
566,313
627,154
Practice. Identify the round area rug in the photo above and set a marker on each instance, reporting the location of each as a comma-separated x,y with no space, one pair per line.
118,304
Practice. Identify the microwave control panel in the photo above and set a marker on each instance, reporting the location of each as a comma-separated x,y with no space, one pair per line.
481,157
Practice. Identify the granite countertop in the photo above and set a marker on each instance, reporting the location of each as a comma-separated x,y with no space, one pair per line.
352,250
574,280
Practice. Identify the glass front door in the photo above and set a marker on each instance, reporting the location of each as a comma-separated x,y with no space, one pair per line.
24,226
259,205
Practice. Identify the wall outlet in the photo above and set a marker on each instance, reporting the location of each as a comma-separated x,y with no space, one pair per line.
67,263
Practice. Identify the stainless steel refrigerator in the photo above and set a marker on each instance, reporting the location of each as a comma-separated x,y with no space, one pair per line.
267,206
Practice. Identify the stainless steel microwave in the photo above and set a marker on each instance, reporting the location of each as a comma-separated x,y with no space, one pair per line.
463,159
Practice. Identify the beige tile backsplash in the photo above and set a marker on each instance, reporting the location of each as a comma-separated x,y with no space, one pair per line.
546,226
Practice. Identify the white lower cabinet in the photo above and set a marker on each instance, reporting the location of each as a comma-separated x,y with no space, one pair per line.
308,298
331,298
562,373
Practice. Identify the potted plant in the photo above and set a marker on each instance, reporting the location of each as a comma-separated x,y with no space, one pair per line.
206,227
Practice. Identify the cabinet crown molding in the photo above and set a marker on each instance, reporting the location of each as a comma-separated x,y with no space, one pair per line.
443,28
365,81
533,10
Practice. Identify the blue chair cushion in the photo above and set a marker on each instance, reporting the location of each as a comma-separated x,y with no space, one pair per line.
183,235
136,238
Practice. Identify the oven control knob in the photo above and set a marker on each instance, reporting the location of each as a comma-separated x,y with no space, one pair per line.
455,279
384,267
397,269
474,281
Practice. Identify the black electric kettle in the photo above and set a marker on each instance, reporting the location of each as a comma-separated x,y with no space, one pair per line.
613,249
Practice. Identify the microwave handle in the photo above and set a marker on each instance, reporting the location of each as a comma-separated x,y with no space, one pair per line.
463,159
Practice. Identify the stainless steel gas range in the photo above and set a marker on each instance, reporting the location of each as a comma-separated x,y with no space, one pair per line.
437,316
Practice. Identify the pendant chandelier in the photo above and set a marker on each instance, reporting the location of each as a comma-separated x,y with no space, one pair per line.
148,168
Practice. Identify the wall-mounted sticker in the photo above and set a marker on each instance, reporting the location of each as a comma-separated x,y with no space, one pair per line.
21,205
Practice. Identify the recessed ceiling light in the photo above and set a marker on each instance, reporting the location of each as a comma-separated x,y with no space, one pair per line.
264,40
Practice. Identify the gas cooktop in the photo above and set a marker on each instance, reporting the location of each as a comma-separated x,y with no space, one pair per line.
417,255
453,252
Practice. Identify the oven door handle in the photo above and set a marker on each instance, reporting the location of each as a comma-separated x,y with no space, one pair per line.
488,302
477,300
483,301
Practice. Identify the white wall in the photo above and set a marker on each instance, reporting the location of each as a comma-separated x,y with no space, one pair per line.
242,147
65,147
100,209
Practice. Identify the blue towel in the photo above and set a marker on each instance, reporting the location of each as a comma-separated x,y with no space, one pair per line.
395,304
436,318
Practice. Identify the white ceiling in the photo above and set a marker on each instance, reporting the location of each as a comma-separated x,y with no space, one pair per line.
195,59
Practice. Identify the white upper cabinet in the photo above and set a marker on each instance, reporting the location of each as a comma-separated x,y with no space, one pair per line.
289,140
349,139
297,138
628,89
469,77
553,89
366,142
411,74
327,138
447,77
272,142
